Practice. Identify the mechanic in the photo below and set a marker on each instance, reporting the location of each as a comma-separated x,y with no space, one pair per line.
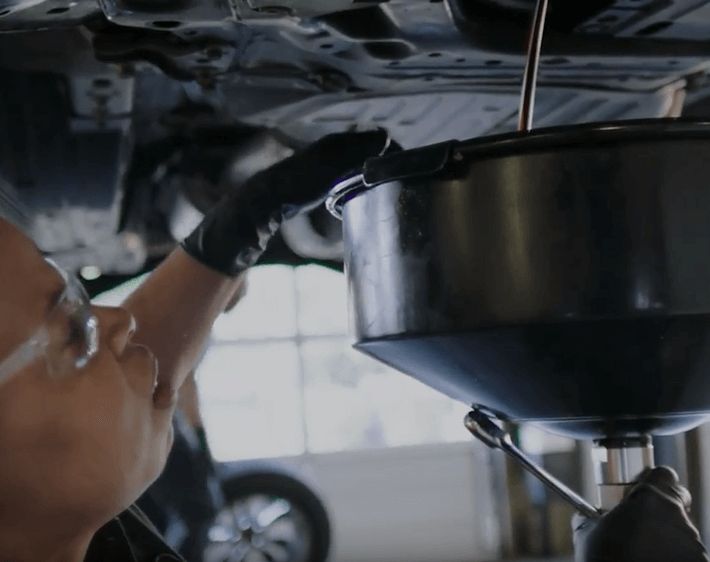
85,428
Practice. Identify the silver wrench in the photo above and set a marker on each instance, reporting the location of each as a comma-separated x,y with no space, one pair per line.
485,429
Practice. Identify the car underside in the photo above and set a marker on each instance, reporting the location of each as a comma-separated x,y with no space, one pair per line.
123,121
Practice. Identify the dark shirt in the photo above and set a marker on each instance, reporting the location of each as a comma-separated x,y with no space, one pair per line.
130,537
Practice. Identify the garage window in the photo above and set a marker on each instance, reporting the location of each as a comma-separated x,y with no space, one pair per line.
280,377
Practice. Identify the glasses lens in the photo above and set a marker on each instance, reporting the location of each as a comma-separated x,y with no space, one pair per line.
73,331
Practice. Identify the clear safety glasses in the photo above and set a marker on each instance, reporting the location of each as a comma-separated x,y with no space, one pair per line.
67,339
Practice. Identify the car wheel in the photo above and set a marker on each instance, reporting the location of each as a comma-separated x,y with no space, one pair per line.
269,517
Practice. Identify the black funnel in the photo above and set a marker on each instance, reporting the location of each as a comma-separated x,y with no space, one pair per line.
561,277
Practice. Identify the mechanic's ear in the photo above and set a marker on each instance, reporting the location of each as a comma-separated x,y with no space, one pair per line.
116,327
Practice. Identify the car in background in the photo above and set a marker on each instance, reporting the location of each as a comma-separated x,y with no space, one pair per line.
239,511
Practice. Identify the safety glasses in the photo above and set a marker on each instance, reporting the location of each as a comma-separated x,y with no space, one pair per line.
67,339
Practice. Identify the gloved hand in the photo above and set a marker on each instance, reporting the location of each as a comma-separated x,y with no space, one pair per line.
651,524
235,233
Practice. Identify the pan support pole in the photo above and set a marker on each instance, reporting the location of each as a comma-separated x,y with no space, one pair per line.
617,464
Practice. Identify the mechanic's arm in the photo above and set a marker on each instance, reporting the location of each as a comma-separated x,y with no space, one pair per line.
176,306
189,402
174,311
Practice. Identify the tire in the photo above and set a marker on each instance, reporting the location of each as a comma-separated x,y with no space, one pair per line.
275,490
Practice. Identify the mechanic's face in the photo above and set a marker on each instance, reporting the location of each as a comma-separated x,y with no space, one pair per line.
80,448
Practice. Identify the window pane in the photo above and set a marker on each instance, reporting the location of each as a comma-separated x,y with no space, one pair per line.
250,400
268,310
322,301
537,441
354,402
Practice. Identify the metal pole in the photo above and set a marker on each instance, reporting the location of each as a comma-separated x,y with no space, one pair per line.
527,98
618,462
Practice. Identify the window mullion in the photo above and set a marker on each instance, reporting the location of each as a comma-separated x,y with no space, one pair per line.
298,340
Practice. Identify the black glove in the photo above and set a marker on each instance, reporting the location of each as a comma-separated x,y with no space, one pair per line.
651,524
235,233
